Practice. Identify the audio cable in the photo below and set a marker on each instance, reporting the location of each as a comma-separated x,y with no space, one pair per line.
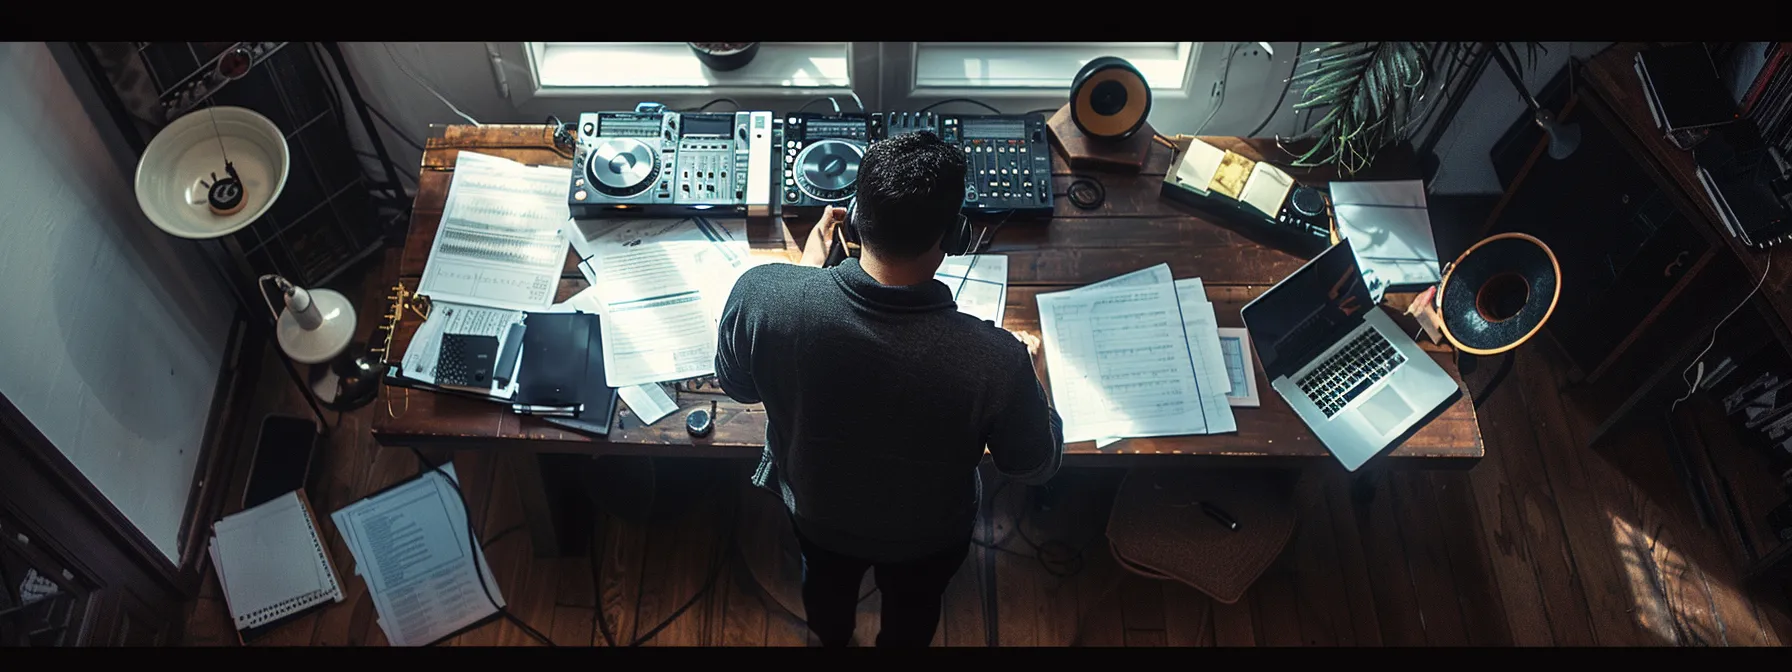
972,101
715,574
475,552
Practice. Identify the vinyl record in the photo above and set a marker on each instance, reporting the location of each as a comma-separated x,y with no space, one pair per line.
1109,99
1499,293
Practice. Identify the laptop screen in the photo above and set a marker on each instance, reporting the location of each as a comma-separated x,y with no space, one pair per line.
1307,311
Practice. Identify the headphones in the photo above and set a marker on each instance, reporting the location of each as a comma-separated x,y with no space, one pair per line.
960,239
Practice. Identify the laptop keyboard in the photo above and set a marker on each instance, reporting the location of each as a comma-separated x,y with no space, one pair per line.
1341,377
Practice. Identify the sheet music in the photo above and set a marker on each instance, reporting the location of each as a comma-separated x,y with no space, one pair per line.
979,284
1201,326
501,242
661,285
420,356
411,545
1120,363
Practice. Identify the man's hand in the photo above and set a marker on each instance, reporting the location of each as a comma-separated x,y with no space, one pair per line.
821,237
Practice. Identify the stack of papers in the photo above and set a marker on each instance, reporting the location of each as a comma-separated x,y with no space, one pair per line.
271,562
1135,356
660,285
501,242
411,544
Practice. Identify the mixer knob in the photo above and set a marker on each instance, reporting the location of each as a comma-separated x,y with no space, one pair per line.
589,129
742,133
790,196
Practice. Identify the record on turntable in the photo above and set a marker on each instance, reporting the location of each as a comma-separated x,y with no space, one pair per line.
622,166
828,170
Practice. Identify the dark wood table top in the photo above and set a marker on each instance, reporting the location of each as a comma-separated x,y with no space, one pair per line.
1133,229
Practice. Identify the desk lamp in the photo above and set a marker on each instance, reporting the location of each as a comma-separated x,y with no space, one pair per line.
1563,138
211,173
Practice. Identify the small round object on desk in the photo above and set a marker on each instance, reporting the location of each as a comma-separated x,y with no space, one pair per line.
1499,293
1307,201
699,423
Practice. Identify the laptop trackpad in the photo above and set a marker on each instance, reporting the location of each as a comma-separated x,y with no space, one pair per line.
1386,410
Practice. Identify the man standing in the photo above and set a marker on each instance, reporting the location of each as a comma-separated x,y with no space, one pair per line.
881,397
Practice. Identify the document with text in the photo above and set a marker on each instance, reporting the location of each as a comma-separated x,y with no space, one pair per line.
501,242
979,284
410,544
1120,363
1202,327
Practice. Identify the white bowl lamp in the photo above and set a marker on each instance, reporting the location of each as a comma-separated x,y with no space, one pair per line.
181,170
316,325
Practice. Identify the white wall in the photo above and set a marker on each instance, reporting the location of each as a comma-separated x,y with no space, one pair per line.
111,334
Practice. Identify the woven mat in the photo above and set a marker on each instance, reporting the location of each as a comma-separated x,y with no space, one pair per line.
1158,529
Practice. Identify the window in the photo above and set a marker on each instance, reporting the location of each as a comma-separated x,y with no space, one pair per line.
576,68
1030,66
1014,77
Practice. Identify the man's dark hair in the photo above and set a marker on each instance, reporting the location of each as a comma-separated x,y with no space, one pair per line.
911,188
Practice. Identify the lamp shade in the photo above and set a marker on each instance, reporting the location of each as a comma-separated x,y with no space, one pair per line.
334,328
173,175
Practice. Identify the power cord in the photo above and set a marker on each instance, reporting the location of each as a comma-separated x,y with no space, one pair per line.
421,82
1085,192
1692,384
972,101
1225,73
707,105
1286,85
475,552
813,101
402,135
715,573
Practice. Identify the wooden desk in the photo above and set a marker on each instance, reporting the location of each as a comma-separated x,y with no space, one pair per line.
1133,229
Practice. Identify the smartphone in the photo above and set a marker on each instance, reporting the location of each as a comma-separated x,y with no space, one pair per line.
284,452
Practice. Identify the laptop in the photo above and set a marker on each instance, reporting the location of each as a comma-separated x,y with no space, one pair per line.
1361,383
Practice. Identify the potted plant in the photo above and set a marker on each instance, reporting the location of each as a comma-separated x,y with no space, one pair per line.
1375,94
723,56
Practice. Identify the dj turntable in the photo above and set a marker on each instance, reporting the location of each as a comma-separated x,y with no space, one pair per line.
654,162
821,155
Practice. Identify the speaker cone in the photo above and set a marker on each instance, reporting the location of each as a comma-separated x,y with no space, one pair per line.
1109,99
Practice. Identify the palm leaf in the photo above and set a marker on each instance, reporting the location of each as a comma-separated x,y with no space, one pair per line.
1378,93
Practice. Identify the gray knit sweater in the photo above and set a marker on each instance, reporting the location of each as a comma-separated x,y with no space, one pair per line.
879,403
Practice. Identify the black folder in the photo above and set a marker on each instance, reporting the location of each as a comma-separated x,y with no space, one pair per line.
599,397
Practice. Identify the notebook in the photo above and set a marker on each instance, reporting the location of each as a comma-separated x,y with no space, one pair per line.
271,564
1682,87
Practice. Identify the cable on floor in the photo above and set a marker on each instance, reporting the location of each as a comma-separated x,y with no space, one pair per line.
474,552
715,573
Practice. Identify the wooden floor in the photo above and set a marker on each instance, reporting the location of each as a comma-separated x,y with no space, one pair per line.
1544,543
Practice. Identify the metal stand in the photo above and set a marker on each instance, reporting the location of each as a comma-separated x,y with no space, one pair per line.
266,326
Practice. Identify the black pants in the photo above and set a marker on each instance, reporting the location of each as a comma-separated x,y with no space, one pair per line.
911,594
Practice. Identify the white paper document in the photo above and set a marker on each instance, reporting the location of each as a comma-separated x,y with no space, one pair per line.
411,546
1120,363
1267,188
1389,229
661,286
979,283
420,356
501,241
650,402
269,562
1235,345
1202,329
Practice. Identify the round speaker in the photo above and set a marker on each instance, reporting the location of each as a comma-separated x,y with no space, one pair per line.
1499,293
1109,99
178,179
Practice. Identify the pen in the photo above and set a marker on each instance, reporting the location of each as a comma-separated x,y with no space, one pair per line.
1217,514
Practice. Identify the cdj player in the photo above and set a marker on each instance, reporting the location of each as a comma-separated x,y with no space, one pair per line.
820,158
1009,157
654,162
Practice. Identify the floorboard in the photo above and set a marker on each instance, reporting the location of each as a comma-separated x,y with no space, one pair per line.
1545,542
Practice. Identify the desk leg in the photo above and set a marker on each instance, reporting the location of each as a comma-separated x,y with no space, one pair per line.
538,513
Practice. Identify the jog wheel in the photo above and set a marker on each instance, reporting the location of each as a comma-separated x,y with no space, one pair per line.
622,166
828,171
